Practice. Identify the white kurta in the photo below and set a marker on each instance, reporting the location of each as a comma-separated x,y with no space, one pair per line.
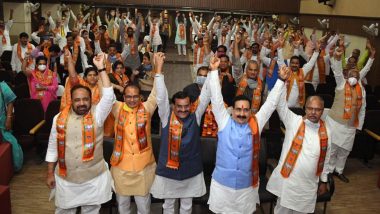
299,191
224,199
293,97
95,191
169,188
7,46
15,61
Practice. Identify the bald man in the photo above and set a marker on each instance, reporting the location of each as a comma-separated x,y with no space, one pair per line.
303,160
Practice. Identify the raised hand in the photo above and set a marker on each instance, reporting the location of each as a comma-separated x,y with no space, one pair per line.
99,60
338,53
214,63
159,59
284,73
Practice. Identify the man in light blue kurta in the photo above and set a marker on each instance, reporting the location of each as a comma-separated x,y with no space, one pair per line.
232,189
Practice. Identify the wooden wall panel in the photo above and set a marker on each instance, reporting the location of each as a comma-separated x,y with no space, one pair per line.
262,6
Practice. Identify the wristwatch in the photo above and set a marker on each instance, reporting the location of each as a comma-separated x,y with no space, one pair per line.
100,70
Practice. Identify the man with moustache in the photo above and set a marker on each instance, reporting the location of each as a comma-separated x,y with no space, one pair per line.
304,158
76,143
130,37
235,180
179,173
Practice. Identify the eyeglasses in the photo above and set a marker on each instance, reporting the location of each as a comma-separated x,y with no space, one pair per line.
318,110
136,97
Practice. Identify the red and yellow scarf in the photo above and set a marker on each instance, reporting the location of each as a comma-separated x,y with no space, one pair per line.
142,136
75,52
196,55
296,148
182,31
321,69
88,138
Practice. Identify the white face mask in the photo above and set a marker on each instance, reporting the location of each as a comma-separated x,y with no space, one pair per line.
200,80
41,67
352,81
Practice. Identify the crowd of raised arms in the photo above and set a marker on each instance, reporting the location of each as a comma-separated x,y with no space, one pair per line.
109,71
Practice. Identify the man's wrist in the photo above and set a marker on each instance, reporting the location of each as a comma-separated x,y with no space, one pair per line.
102,69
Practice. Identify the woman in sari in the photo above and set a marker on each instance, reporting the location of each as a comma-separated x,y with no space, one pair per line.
7,97
43,83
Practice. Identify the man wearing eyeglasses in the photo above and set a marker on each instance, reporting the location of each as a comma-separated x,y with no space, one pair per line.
304,157
133,163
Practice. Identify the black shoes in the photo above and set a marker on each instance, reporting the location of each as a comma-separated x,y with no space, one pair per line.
341,177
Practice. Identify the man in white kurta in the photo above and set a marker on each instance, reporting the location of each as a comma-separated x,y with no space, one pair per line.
298,192
232,189
87,183
344,129
294,64
5,41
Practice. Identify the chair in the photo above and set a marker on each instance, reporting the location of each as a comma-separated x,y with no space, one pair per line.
5,200
325,198
27,114
264,195
208,159
368,89
6,162
22,91
371,101
273,137
60,91
328,100
325,89
299,111
309,89
42,132
376,92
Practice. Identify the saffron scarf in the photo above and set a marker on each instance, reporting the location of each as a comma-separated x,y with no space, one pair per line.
88,138
256,95
252,122
299,78
29,50
348,102
182,31
202,53
142,136
295,150
174,143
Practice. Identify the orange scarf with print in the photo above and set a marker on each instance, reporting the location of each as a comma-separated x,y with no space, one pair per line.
182,31
88,138
142,136
252,122
202,53
348,102
295,150
43,78
299,78
209,126
175,135
29,50
256,95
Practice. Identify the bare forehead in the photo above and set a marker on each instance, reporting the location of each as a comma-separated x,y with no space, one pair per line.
241,104
314,102
80,93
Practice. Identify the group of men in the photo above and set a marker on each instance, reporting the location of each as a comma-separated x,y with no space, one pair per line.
243,70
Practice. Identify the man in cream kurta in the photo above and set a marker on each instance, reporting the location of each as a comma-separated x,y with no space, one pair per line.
86,183
232,189
135,172
298,192
344,129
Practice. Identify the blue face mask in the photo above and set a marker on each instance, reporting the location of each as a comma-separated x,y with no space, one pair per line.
112,59
200,80
148,67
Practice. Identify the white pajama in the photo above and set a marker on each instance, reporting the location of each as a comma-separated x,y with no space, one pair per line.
142,203
185,205
91,209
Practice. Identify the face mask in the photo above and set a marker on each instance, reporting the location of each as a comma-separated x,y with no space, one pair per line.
200,80
41,67
147,67
112,59
352,81
251,83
